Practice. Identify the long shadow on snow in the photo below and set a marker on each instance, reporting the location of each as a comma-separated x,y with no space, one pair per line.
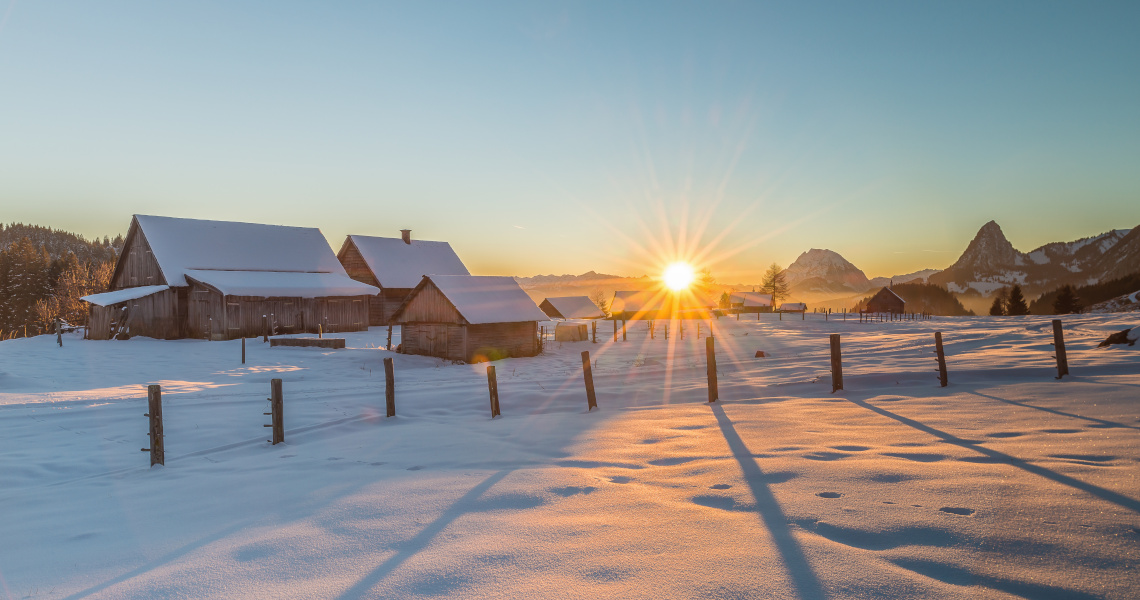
413,546
1118,499
803,577
1107,424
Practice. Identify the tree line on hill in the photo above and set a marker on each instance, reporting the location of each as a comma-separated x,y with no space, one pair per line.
1069,299
925,298
44,272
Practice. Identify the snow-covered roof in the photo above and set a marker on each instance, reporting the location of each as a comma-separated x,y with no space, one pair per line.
274,284
180,245
576,307
488,299
793,306
637,301
892,292
117,296
397,264
751,299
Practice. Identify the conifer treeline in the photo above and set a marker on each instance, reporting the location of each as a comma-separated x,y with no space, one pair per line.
44,272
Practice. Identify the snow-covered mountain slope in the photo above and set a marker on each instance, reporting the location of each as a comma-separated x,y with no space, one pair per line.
824,271
991,262
917,276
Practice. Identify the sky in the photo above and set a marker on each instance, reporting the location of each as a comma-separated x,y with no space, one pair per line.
562,137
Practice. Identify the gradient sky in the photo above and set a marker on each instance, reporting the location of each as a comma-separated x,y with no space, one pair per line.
562,137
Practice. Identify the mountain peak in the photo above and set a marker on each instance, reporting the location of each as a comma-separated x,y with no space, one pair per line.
826,265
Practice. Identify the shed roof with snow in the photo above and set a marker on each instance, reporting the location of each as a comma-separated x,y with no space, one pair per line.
402,262
637,301
793,307
751,299
571,307
468,299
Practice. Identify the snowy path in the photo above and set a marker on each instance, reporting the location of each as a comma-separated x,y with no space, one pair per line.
1006,484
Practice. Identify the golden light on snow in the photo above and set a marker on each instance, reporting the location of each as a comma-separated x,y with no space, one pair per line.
679,276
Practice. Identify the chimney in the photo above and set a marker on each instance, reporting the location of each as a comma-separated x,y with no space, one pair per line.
407,235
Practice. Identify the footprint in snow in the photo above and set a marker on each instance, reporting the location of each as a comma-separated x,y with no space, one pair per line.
829,495
415,468
955,510
719,486
620,479
1005,434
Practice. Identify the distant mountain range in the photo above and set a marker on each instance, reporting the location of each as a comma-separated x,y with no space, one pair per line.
989,263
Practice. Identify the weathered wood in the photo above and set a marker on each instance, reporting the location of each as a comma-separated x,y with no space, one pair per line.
154,411
389,346
320,331
1059,347
710,365
942,378
588,376
390,386
334,343
493,389
243,350
623,330
836,364
615,329
277,410
594,331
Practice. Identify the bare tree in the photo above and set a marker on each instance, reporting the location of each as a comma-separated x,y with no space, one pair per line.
600,298
775,283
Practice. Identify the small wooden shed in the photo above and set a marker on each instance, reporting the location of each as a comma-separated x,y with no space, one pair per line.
750,302
219,280
468,318
571,307
886,301
630,306
793,307
395,265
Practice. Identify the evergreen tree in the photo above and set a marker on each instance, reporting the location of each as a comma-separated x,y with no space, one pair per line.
26,281
775,283
725,300
997,309
1067,301
1016,304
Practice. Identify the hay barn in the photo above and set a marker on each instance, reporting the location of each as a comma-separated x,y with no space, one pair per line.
793,307
886,301
630,306
469,318
395,265
571,307
220,280
750,302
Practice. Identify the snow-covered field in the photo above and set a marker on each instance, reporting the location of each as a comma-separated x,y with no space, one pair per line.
1006,484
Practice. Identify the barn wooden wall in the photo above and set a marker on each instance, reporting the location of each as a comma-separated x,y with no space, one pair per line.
136,266
430,306
380,307
153,316
493,341
212,316
443,340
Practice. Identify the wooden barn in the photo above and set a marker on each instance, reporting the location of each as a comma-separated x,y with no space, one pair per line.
750,302
571,307
469,318
220,280
793,307
632,306
886,301
395,265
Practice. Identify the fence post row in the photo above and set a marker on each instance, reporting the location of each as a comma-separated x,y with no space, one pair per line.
389,387
1059,347
836,364
154,411
276,412
493,388
588,376
710,361
942,380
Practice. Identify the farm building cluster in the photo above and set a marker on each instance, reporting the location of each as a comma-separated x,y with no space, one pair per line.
221,280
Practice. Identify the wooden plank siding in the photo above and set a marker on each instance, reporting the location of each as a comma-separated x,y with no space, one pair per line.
136,265
493,341
153,316
213,316
429,305
382,306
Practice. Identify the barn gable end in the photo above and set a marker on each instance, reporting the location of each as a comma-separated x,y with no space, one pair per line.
136,266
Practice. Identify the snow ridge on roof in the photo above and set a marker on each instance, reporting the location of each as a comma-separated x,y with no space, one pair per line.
117,296
576,307
488,299
276,284
397,264
184,244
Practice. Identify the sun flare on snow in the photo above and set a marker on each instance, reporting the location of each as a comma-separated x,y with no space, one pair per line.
678,276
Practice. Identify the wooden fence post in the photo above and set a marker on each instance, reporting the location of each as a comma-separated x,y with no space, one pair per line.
710,364
390,386
59,333
1059,347
588,375
243,349
265,328
615,329
652,334
941,358
389,347
666,331
594,331
154,411
836,364
276,411
623,330
320,331
493,388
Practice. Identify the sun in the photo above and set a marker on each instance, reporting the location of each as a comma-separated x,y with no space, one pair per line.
678,276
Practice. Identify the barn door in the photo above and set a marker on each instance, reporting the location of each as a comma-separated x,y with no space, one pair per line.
436,338
233,319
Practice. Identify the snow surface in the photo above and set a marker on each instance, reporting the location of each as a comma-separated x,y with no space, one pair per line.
1006,484
399,265
576,307
182,244
117,296
751,299
488,299
271,284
